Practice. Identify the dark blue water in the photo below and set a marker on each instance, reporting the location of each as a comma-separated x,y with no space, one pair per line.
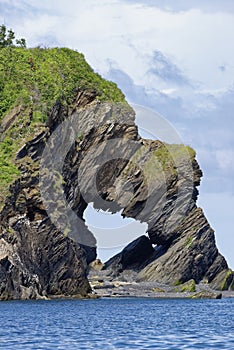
117,324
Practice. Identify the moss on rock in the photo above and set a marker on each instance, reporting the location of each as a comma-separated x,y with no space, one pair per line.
228,281
189,286
224,280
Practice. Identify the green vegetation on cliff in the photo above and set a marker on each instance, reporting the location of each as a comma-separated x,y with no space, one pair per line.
44,76
32,81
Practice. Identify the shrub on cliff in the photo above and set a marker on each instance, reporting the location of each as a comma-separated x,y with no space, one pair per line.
7,38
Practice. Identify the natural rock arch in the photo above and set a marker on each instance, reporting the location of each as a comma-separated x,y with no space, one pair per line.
38,258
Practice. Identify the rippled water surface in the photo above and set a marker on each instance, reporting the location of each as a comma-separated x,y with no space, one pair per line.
117,324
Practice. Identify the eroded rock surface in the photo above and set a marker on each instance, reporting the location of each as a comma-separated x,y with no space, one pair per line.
45,249
133,256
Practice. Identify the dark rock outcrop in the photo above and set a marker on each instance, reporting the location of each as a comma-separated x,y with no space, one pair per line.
37,260
224,280
132,256
193,254
207,295
45,245
40,261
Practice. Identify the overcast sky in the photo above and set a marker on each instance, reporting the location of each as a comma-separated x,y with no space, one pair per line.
176,57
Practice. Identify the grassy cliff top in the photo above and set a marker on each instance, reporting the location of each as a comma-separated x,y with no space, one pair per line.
31,82
44,76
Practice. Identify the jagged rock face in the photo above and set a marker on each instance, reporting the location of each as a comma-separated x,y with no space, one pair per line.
164,198
40,261
45,244
37,259
192,255
132,256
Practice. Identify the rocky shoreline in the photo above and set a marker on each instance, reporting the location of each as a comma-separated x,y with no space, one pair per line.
149,290
104,285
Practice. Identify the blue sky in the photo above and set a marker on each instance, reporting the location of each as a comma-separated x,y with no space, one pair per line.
176,57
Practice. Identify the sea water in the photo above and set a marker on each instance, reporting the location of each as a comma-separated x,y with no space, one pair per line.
133,323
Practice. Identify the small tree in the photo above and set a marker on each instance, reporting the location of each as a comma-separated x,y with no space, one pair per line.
7,38
3,36
21,42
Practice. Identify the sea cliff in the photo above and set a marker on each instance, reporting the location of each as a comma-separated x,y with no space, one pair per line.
69,138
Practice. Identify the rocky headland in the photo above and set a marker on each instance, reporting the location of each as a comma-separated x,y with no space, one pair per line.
68,138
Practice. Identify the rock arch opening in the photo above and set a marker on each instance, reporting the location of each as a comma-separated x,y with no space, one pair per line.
113,232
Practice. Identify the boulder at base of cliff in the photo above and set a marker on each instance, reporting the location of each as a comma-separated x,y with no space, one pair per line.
207,295
132,256
224,280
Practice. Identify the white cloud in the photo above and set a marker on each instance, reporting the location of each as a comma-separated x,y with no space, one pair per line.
199,42
225,158
226,6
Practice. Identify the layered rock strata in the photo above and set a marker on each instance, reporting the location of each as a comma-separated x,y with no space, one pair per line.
95,154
